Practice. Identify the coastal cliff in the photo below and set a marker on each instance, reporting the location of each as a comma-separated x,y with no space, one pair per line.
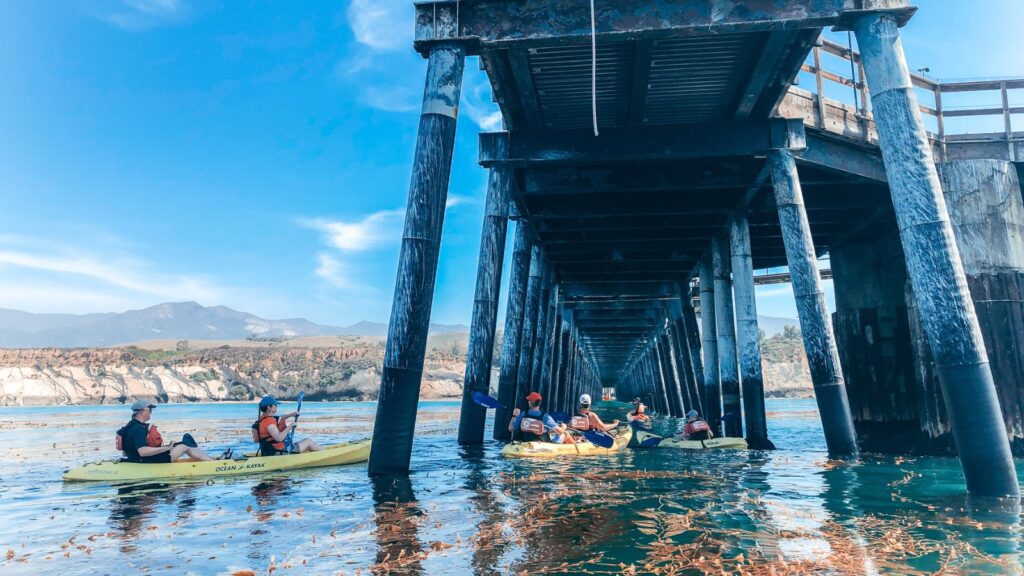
324,367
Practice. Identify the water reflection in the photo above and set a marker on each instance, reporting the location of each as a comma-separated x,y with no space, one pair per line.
397,516
134,507
490,540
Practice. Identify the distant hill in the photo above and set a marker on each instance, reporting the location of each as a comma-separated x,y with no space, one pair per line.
171,320
773,325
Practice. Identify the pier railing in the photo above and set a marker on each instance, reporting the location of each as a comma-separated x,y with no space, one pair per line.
838,101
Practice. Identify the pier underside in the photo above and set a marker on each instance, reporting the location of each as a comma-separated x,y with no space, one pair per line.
653,151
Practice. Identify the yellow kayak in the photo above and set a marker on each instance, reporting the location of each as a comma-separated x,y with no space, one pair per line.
118,471
648,440
622,434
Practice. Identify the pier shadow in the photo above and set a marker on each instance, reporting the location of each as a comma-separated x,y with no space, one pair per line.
397,516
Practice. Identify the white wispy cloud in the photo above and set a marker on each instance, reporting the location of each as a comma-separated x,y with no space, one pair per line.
372,231
137,15
43,276
354,246
384,25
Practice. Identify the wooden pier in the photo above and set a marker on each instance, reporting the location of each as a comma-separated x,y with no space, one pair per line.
656,149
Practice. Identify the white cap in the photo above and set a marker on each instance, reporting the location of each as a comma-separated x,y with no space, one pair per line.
585,399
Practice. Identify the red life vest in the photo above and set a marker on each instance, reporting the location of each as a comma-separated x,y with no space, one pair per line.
153,438
579,422
695,427
531,426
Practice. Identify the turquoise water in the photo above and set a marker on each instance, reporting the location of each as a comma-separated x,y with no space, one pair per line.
651,511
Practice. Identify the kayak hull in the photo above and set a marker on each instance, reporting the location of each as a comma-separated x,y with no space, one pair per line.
726,443
118,471
622,434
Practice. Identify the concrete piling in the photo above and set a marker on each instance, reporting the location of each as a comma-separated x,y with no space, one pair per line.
726,330
485,307
748,334
709,337
513,334
933,263
819,341
391,448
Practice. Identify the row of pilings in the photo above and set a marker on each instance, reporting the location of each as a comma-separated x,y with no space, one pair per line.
543,351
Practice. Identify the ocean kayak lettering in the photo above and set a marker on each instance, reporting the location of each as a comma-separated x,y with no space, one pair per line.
234,467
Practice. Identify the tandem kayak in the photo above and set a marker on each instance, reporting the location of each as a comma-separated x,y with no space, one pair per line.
622,434
120,471
648,440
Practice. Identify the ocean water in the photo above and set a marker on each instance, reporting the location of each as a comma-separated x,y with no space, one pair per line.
649,511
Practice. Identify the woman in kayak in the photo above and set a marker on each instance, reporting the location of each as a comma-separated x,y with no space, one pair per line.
535,425
271,431
587,420
141,442
638,418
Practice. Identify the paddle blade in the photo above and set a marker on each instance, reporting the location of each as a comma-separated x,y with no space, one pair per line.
485,400
599,439
638,425
299,400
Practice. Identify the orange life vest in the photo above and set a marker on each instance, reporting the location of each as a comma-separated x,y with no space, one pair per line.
263,435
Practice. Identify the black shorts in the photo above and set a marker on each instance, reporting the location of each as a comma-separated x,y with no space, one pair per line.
162,458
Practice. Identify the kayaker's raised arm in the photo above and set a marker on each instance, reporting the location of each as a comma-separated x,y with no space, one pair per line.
271,431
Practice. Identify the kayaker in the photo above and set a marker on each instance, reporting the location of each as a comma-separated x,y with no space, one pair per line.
271,430
696,428
534,424
587,420
141,442
638,414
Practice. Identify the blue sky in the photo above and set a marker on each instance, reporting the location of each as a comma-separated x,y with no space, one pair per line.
257,154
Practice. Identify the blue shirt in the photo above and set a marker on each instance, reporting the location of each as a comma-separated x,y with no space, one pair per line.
548,421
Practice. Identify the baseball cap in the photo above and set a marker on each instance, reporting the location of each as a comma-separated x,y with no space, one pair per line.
585,399
534,396
268,401
142,405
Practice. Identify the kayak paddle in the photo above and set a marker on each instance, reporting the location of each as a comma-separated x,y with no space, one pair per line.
485,400
291,433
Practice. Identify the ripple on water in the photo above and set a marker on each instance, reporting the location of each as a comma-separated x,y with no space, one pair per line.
648,511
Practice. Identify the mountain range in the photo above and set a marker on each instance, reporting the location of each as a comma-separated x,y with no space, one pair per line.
171,320
192,321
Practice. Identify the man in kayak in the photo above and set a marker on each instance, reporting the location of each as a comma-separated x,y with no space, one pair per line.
696,428
271,430
534,424
586,420
141,442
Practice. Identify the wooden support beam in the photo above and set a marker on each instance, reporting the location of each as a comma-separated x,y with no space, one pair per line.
519,64
764,71
499,22
649,143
